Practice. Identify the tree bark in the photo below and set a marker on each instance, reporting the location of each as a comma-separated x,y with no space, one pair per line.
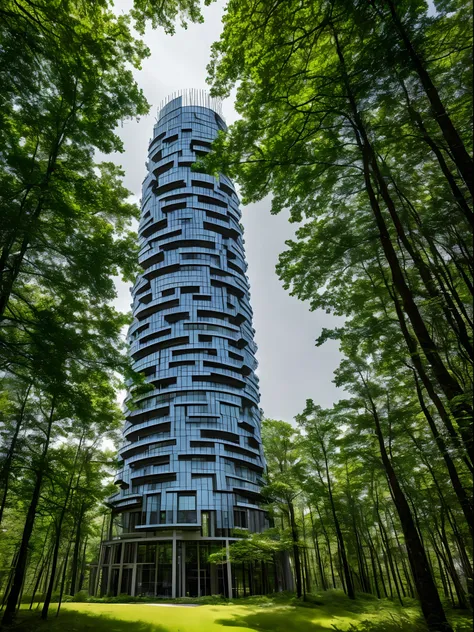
460,155
340,538
448,384
296,551
49,592
430,602
318,552
76,551
20,569
6,467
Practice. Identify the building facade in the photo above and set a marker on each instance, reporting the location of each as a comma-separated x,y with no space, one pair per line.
192,459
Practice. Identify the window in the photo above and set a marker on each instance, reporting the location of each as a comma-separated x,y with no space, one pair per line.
240,518
146,553
128,555
133,518
152,508
117,553
187,508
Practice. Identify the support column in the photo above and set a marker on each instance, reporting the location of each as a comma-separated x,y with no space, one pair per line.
109,573
122,553
96,585
183,569
229,569
173,568
199,568
134,570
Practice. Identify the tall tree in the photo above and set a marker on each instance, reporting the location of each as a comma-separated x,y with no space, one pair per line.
284,464
351,118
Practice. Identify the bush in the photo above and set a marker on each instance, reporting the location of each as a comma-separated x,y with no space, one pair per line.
80,597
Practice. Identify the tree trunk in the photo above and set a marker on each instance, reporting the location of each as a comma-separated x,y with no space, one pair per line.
6,467
318,552
75,555
20,570
458,487
455,190
49,592
63,580
386,542
431,605
296,551
448,384
342,548
443,413
459,153
83,566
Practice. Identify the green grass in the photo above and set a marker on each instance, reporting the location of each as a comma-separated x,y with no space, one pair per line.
326,612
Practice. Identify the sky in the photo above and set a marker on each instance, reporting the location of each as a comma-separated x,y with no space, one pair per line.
291,368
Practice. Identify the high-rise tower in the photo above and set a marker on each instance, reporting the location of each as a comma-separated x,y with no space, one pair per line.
192,454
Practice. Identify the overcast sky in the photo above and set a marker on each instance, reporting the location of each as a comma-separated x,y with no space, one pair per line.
291,369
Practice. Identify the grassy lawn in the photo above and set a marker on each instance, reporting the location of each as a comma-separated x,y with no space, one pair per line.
330,613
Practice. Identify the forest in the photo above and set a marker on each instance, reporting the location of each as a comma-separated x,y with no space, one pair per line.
356,117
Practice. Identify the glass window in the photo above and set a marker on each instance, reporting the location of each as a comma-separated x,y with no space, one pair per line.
146,553
187,508
186,502
128,554
152,508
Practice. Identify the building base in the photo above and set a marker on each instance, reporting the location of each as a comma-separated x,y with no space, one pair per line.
176,565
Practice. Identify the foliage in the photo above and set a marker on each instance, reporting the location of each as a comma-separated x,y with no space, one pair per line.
353,119
67,231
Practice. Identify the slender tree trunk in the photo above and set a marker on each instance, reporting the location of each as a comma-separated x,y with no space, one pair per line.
20,570
378,563
458,487
450,387
386,541
342,548
328,546
45,565
460,155
443,413
11,575
305,556
430,602
296,551
6,467
49,592
318,552
75,555
455,190
63,580
402,551
83,565
374,572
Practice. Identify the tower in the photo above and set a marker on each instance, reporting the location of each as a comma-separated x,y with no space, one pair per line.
192,457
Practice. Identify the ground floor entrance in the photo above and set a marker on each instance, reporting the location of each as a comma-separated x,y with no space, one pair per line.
178,567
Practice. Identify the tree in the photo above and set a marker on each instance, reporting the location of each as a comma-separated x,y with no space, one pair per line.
66,232
284,464
350,112
320,442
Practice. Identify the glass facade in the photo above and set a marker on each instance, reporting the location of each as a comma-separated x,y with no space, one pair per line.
192,457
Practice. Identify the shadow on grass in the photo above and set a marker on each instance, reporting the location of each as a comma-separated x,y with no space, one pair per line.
279,620
305,620
74,621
